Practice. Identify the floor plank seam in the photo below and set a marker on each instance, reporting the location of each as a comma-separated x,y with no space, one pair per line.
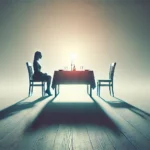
55,136
110,139
24,116
125,137
120,114
20,121
89,138
112,110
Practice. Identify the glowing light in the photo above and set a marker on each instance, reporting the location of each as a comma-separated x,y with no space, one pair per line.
73,57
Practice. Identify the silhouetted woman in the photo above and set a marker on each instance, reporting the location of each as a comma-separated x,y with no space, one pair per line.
38,75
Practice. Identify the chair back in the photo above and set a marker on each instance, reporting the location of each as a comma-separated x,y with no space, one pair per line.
30,70
112,70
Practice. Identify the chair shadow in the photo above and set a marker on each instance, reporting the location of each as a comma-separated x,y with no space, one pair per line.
13,109
72,114
122,104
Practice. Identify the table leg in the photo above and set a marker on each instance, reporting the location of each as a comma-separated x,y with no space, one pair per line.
55,90
58,88
90,90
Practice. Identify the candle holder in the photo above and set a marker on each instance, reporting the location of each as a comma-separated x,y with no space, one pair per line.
71,66
74,68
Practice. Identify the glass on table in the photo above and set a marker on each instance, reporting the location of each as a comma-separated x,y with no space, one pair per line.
65,68
81,68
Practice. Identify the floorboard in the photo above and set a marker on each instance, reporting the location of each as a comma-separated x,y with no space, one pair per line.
81,139
95,124
131,133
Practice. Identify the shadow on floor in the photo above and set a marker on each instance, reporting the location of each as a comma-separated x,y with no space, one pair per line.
73,114
13,109
119,103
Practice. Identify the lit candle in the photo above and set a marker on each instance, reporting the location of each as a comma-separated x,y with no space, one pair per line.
73,57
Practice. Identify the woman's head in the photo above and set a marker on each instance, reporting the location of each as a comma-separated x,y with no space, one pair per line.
37,55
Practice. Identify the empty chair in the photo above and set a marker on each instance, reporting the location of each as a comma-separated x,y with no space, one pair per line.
33,82
109,82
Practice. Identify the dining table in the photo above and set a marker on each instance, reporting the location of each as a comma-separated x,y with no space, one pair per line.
73,77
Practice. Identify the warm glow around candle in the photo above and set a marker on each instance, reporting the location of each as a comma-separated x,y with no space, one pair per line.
73,57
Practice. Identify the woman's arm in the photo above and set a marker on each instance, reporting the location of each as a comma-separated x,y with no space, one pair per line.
37,67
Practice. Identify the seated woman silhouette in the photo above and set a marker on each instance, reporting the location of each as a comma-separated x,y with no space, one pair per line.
38,75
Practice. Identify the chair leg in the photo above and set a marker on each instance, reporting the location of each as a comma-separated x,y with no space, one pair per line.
43,88
112,89
98,89
31,89
109,88
29,92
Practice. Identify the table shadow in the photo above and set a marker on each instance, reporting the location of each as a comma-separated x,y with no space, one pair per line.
71,114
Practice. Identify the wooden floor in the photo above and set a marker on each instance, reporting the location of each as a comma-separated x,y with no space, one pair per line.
92,124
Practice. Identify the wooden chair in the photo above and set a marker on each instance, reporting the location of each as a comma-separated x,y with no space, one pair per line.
109,82
33,82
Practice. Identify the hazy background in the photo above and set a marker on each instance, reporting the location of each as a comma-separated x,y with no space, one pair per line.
99,32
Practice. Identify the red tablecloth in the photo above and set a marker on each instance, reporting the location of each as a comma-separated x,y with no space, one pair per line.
73,77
